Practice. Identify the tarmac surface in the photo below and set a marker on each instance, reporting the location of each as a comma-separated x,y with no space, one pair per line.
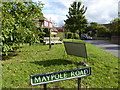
110,47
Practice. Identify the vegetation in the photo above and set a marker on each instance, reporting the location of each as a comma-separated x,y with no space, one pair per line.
102,31
76,21
19,28
115,26
37,59
61,35
95,29
70,35
91,29
18,25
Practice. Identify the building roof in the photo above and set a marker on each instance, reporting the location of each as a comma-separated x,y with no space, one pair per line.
60,29
45,20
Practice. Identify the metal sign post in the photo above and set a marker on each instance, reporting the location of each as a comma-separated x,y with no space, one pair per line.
79,83
45,86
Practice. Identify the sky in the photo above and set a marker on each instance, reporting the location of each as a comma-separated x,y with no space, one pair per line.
100,11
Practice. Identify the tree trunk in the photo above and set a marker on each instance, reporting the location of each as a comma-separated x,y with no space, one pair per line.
80,34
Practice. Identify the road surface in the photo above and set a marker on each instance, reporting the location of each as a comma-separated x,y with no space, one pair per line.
106,45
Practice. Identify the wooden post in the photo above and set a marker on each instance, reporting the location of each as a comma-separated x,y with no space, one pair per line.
49,40
79,83
45,86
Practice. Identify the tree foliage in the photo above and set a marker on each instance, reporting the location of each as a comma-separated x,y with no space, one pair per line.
115,27
76,21
18,25
95,29
91,29
102,31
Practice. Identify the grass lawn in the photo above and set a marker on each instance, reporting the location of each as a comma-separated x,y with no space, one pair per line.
36,59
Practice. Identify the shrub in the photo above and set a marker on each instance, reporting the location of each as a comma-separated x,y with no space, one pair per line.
102,31
69,35
114,27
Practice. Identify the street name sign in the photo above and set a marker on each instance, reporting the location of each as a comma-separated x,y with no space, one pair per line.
60,76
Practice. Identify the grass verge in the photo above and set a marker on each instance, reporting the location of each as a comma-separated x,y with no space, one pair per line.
37,59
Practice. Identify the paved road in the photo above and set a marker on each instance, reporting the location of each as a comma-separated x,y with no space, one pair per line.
106,45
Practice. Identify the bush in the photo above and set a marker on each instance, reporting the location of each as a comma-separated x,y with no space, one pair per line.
102,31
61,35
114,27
76,36
70,35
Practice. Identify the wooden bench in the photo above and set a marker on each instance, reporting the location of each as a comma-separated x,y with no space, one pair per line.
54,40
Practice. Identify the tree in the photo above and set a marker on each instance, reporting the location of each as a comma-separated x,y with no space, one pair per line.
76,21
102,31
91,29
17,24
115,27
119,14
95,29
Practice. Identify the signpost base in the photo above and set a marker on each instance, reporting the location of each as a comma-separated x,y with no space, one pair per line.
45,86
79,83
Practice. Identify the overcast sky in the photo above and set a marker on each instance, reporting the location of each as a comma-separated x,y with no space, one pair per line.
101,11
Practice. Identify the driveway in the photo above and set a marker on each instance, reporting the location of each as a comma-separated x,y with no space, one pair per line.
106,45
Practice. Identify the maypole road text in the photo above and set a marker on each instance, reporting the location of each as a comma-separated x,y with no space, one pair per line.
60,76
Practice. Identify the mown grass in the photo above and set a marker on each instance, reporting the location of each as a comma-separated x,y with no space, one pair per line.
37,59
